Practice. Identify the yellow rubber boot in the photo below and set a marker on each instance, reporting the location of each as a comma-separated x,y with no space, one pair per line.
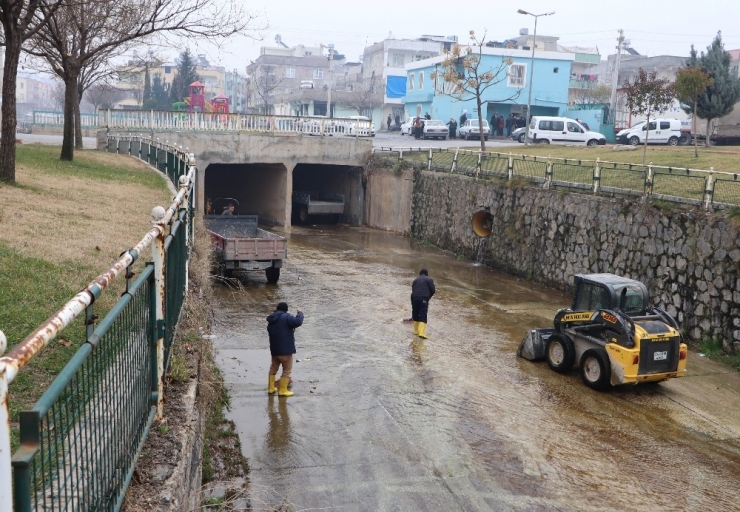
284,387
422,330
416,327
271,386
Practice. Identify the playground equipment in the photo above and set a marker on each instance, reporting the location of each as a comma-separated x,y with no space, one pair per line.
197,101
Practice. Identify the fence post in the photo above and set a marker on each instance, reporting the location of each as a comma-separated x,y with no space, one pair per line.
548,173
649,182
454,161
6,470
158,257
478,165
597,176
709,190
429,160
511,166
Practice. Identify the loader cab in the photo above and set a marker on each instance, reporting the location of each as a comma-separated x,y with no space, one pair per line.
609,291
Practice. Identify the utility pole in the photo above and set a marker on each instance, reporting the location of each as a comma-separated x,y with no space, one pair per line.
615,77
330,47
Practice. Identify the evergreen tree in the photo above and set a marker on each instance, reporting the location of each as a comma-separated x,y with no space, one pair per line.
160,94
720,97
185,75
147,101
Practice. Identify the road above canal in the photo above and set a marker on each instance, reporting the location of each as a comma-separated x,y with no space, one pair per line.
382,420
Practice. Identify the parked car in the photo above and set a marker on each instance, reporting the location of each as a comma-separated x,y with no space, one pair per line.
471,130
562,130
361,126
407,127
319,125
519,134
662,131
434,128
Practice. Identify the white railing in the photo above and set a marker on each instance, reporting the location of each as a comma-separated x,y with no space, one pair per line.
158,120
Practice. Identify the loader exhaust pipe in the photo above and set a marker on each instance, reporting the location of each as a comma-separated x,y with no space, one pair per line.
482,222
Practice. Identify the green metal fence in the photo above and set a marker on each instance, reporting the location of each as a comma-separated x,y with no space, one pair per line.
709,188
80,442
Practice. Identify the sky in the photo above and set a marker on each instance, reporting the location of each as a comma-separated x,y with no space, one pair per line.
653,27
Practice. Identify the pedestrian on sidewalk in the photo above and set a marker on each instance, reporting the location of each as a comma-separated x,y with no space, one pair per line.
453,128
281,327
388,122
422,290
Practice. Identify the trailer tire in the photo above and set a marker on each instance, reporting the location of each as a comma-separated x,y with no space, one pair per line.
272,274
685,139
560,353
596,370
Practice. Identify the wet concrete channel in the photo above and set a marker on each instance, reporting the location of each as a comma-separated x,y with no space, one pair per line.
383,420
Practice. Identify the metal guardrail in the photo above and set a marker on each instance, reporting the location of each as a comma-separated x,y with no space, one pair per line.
709,188
80,442
159,120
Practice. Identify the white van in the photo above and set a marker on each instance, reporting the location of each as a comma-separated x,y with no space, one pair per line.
660,131
562,130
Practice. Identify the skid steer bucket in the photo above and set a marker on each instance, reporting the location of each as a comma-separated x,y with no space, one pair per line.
534,344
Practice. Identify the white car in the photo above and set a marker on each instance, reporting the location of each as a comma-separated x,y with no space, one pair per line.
434,128
407,127
361,126
562,130
661,131
471,130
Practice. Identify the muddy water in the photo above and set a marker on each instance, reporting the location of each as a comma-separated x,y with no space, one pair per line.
382,420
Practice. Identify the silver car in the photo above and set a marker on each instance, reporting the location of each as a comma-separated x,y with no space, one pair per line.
435,129
471,130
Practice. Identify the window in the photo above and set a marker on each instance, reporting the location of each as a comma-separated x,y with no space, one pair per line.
591,297
574,128
318,74
397,60
552,126
517,75
421,80
167,70
289,72
411,82
665,125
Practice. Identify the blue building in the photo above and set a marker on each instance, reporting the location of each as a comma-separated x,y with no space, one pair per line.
549,96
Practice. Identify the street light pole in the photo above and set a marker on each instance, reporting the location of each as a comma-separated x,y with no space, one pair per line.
328,101
531,70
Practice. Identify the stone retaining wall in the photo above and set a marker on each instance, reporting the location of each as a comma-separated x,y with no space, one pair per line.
689,260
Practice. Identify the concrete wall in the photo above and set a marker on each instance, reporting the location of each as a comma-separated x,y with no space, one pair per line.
689,260
270,153
335,179
388,200
261,189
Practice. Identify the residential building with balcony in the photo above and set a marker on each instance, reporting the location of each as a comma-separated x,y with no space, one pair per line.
384,65
509,96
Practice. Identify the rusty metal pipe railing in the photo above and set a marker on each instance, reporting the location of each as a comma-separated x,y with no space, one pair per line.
12,362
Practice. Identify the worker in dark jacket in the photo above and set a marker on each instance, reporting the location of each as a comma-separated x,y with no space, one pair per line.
281,327
422,290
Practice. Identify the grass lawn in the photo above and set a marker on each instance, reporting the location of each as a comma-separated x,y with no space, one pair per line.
61,225
620,169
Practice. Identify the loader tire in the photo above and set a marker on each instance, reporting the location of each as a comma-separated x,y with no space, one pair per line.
596,369
560,353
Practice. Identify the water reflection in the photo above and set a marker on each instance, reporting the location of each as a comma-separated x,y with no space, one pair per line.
279,432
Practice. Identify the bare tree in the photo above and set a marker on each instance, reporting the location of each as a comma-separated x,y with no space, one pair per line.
591,95
466,77
102,94
365,96
83,31
648,95
265,83
21,20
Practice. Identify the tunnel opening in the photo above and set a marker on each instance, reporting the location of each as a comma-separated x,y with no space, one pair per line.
258,189
327,194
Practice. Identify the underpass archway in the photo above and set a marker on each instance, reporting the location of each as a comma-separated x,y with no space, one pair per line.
322,179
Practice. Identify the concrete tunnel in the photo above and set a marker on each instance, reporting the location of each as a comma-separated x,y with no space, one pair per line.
265,189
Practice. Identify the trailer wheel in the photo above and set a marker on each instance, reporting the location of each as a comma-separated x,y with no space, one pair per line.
685,139
560,353
272,274
596,370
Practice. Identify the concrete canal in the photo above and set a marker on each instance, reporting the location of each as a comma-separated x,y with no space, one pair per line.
383,420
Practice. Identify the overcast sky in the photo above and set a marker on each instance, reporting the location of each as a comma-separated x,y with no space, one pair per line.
653,27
